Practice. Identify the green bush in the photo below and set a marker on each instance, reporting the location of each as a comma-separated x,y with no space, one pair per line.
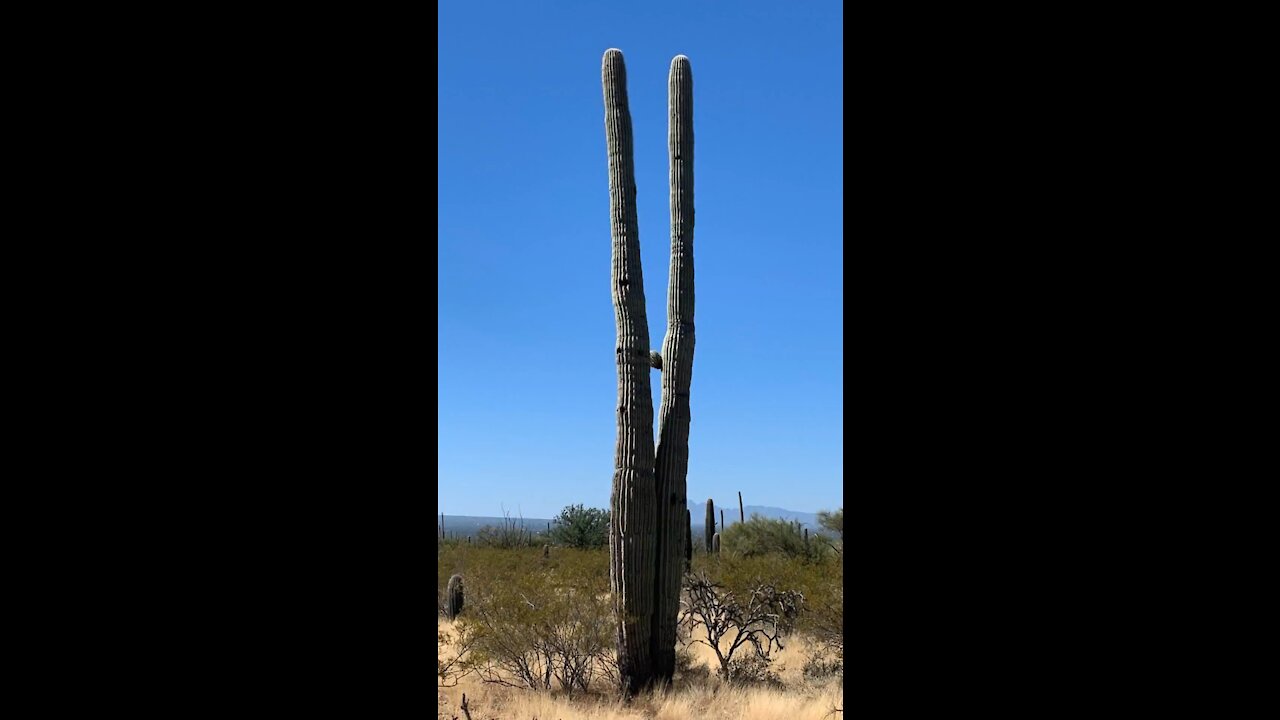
819,582
581,527
761,536
534,621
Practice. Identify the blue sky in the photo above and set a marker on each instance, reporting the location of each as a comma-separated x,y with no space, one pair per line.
527,381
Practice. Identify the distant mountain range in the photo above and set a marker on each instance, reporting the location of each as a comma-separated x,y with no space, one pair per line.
698,513
463,525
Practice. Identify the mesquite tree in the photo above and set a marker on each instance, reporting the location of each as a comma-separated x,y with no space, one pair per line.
648,495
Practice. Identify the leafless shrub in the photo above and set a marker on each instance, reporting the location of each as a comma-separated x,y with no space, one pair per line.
760,620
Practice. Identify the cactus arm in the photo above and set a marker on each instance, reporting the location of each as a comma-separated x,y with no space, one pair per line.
672,462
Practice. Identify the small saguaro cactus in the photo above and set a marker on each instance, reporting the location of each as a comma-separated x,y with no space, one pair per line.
710,529
715,543
741,515
453,604
806,537
722,518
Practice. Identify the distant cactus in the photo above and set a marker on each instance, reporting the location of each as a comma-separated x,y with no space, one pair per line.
546,551
688,539
454,602
741,515
710,529
715,543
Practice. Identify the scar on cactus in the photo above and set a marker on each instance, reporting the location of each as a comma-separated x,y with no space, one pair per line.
655,359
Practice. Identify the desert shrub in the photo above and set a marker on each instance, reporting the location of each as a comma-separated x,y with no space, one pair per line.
833,521
452,646
819,582
581,527
744,611
762,536
538,622
819,666
687,665
754,669
824,611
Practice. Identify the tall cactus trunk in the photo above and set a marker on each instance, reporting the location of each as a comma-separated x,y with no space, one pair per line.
633,516
709,527
741,515
721,519
672,464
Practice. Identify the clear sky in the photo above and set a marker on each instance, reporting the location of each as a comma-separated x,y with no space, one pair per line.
527,381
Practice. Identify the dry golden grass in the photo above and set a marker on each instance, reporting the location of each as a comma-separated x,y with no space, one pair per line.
692,697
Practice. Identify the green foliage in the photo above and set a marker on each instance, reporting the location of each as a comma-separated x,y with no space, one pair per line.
543,621
581,527
547,623
762,536
820,581
833,521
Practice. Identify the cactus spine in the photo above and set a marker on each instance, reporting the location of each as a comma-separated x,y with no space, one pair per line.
715,543
709,528
453,604
633,500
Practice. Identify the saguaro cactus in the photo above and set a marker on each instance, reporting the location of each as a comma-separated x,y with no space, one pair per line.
741,515
649,485
715,543
688,539
676,365
709,525
722,519
453,603
633,500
